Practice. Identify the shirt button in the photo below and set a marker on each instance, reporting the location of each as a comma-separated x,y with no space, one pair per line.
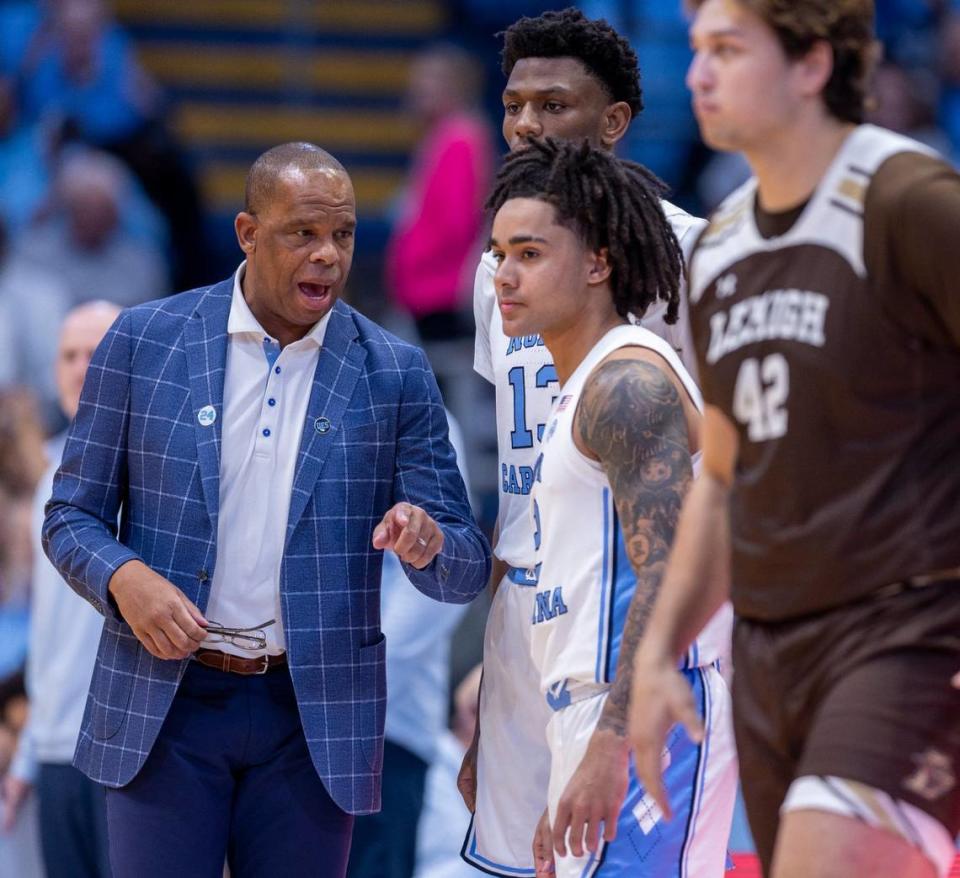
271,401
266,432
277,369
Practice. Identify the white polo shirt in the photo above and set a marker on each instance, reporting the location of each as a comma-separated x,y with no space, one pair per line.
265,396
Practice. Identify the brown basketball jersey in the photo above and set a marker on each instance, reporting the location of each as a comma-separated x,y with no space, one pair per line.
841,373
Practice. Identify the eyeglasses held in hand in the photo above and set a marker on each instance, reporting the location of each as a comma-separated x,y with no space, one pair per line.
252,638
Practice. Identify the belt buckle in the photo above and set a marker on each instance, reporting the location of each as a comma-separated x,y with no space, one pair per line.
266,665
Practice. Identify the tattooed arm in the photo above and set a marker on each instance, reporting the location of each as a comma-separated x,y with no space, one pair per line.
631,419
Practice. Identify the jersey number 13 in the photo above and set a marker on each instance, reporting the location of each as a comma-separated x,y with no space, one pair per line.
521,436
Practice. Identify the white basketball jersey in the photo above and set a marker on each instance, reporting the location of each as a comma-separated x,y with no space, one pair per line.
522,372
586,581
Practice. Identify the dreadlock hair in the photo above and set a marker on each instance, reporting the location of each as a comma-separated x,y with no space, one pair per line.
609,203
570,34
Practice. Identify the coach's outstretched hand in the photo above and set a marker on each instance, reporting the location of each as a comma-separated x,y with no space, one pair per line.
162,617
409,532
660,698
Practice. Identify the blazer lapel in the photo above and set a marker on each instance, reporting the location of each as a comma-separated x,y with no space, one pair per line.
338,368
205,336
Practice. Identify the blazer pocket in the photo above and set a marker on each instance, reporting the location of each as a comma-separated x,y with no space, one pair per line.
373,701
110,690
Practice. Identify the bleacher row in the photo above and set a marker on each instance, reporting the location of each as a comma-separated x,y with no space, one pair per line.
243,75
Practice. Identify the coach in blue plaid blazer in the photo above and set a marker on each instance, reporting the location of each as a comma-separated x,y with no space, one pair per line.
374,434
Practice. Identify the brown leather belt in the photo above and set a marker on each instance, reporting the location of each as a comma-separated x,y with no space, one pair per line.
235,664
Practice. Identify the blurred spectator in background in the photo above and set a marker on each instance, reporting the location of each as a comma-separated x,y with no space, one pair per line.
91,239
19,848
440,231
80,67
22,462
437,236
15,559
445,818
25,153
418,632
64,635
33,302
905,101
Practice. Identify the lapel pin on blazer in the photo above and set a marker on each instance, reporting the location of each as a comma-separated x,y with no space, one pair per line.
207,415
322,425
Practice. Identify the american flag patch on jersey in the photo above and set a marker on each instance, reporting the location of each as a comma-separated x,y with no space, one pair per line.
564,402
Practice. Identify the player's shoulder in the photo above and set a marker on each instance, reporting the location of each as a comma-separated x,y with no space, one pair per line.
730,213
685,225
627,344
907,177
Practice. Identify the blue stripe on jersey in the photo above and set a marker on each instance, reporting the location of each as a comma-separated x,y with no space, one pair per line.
602,643
468,853
647,846
624,584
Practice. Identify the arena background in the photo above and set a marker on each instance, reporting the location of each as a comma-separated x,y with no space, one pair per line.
184,94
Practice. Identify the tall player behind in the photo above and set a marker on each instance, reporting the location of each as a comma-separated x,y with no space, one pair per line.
581,243
827,324
573,78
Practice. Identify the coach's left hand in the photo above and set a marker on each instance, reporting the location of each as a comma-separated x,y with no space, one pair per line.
594,795
409,532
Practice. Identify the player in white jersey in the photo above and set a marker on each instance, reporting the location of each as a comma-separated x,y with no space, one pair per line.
582,243
574,78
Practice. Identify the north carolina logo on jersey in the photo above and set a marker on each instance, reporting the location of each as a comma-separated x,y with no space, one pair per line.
549,604
517,344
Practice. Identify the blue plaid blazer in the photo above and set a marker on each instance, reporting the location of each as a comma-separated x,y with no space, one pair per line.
374,434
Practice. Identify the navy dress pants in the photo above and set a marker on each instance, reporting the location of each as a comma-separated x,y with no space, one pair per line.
229,779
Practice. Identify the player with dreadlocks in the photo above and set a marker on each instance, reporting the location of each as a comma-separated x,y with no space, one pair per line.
574,78
581,244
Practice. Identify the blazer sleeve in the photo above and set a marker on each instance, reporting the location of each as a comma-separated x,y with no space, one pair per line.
80,524
427,476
